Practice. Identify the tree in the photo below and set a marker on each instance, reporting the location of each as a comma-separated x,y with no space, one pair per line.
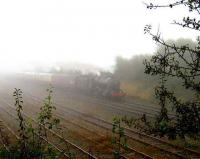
130,69
183,63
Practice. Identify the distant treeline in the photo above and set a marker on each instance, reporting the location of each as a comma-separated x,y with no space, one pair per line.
137,84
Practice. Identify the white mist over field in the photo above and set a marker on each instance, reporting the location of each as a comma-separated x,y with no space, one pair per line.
51,31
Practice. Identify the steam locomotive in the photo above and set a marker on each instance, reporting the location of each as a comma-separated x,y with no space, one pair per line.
101,86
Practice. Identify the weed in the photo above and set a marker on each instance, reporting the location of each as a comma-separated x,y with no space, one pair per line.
31,143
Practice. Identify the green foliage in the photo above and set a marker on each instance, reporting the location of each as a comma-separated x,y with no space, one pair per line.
183,63
131,69
128,121
23,142
46,120
119,139
45,116
31,143
3,153
138,84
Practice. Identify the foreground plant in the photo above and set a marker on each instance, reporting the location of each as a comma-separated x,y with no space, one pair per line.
23,140
31,143
119,139
46,120
181,63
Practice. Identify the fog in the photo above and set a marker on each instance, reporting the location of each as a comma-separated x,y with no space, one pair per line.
94,32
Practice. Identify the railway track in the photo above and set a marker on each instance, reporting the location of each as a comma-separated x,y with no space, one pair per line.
178,150
56,140
136,153
7,138
168,145
59,149
131,150
14,135
129,107
6,135
162,145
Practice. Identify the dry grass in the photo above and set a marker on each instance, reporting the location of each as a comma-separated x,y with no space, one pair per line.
136,90
193,144
103,144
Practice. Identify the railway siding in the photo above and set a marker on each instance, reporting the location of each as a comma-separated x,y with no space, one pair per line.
56,138
174,150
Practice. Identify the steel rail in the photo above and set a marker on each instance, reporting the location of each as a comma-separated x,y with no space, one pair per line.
55,134
178,148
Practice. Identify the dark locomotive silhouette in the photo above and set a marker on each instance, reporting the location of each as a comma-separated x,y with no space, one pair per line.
103,85
106,86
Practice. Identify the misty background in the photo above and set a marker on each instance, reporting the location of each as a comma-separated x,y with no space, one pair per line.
58,36
94,32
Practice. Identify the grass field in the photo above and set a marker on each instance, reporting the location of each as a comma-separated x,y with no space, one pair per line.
137,90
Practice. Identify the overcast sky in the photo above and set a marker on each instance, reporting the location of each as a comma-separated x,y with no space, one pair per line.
90,31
